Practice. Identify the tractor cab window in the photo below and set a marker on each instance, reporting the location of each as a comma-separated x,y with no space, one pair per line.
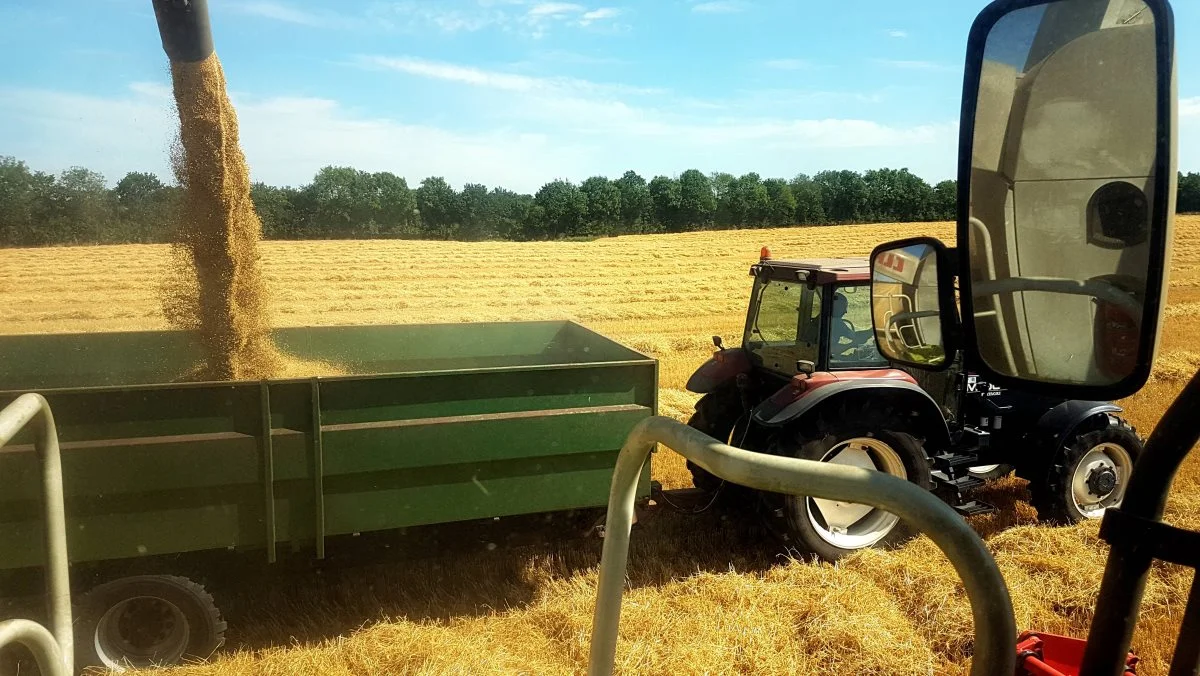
785,325
851,338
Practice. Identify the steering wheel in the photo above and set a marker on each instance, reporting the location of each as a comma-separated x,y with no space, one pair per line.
851,332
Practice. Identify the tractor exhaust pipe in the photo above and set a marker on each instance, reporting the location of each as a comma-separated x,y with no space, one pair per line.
185,29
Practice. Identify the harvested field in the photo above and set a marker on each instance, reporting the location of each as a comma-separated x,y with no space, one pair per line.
707,596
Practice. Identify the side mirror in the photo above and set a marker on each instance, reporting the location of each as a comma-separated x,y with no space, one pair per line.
805,367
1066,193
912,303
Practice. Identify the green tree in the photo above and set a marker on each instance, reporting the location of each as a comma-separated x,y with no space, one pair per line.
276,208
604,215
510,213
636,206
751,205
564,208
896,195
843,196
81,206
474,208
339,203
944,204
809,208
724,187
25,200
782,208
1187,199
664,200
438,205
697,203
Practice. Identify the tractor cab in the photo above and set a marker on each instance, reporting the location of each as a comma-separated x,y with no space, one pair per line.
811,315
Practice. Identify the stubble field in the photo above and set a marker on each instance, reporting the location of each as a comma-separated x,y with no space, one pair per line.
707,595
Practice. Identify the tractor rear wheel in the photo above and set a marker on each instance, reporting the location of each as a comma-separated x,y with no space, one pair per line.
716,415
1090,475
831,529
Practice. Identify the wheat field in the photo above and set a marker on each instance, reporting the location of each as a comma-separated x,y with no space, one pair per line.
708,595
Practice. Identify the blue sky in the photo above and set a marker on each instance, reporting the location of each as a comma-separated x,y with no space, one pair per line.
517,92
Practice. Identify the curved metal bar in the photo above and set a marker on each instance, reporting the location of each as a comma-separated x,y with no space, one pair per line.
1075,287
55,653
991,608
39,641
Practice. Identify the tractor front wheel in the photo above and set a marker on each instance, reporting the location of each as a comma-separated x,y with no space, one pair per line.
1090,475
831,529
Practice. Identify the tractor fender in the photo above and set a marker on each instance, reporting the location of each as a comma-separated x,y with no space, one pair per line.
895,391
1059,423
724,366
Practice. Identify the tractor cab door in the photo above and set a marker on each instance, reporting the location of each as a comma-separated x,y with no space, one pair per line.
784,325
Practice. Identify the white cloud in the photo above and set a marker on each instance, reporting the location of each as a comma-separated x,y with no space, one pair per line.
478,77
600,14
521,16
917,65
514,130
1189,107
279,11
788,64
554,9
897,33
720,7
456,73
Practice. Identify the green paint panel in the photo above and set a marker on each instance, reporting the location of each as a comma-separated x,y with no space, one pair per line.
361,508
439,423
469,440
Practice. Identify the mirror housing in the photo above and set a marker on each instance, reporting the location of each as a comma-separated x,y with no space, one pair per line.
1066,189
805,367
913,309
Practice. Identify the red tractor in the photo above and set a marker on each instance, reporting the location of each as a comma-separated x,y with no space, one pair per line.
809,382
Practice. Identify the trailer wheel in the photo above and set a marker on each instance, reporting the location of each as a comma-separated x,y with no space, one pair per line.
1090,474
147,620
831,529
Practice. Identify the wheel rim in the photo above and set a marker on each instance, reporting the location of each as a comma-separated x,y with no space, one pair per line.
141,631
850,525
1100,478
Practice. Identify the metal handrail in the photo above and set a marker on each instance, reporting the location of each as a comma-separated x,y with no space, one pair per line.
54,652
991,607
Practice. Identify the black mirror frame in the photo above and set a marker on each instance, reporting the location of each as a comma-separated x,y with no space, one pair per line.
947,308
1164,31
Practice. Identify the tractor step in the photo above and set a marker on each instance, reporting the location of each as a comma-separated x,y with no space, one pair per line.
974,507
948,461
963,483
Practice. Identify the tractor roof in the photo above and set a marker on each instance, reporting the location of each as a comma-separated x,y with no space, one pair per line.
823,270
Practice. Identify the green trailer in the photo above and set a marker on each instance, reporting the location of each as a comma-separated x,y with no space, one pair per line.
424,424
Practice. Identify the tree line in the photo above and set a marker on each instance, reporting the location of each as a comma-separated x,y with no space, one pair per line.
77,207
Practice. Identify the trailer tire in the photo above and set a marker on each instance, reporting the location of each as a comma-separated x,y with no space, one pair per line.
1082,469
146,620
871,436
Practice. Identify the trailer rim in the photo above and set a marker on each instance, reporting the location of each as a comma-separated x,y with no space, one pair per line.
121,638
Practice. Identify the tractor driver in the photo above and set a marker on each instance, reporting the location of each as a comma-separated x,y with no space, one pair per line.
842,334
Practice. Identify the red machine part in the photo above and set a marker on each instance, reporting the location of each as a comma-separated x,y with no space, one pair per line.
1041,654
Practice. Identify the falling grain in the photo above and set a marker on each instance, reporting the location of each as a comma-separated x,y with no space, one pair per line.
216,285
